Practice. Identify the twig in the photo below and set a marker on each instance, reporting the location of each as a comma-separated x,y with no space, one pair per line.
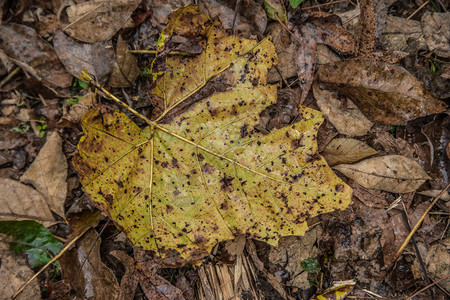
63,250
417,10
428,286
10,75
324,4
408,238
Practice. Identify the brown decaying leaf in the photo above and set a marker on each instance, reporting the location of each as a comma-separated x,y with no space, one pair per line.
96,58
125,69
385,93
95,280
346,117
435,193
33,54
366,29
10,139
13,274
436,30
21,202
319,28
402,35
345,150
76,112
48,174
98,20
140,270
392,173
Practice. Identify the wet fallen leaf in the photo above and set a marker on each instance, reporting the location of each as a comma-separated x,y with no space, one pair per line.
48,174
16,273
96,58
346,117
152,182
33,54
385,93
436,31
125,69
95,280
392,173
98,20
345,150
19,201
32,239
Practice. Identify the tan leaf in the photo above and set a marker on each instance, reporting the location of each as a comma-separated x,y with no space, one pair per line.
347,118
125,69
76,112
48,174
345,150
436,31
21,202
95,21
385,93
392,173
435,193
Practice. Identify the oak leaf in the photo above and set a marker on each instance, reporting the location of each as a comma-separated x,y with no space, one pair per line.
190,180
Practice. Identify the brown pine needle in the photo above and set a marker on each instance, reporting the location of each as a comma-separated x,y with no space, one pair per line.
408,238
417,10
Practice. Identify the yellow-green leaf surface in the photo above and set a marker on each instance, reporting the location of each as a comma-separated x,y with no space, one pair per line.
208,175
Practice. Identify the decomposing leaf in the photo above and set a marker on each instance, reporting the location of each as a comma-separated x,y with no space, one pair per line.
402,34
142,272
96,58
346,117
10,139
436,31
163,8
33,54
385,93
95,280
76,112
125,69
208,175
276,7
33,239
345,150
48,174
15,274
19,201
392,173
98,20
323,28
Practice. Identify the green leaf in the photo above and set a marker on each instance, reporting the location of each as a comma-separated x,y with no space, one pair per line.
202,174
295,3
33,239
310,265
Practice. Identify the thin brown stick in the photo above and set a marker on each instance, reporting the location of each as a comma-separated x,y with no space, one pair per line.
324,4
428,286
10,75
63,250
417,10
408,238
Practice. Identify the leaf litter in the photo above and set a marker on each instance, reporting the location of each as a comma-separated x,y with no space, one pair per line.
364,239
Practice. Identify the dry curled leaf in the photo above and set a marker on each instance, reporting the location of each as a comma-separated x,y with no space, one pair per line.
125,69
207,175
98,20
385,93
96,58
33,54
392,173
344,115
345,150
21,202
48,174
